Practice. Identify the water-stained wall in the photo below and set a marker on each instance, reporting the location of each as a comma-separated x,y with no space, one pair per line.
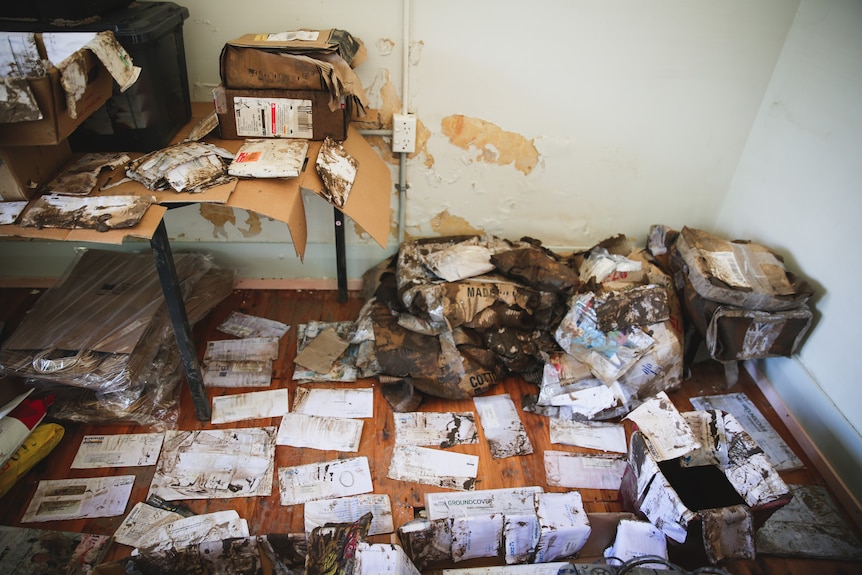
564,121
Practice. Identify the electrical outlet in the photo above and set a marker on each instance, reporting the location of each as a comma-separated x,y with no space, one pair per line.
404,133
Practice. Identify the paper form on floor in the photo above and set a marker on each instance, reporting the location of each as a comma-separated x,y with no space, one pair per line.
434,467
580,471
349,403
320,432
193,530
503,428
592,434
252,405
140,522
349,509
215,464
746,413
437,429
246,326
324,480
121,450
61,499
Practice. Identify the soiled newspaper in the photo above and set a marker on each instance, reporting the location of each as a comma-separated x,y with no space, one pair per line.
142,520
324,480
121,450
349,509
435,429
434,467
61,499
193,530
249,326
253,405
320,432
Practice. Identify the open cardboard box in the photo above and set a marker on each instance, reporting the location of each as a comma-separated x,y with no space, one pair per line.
25,168
56,123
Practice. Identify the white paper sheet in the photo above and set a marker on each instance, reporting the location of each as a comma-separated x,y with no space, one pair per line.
476,536
581,471
592,435
247,349
123,450
237,373
382,559
755,424
349,403
437,429
668,436
215,464
195,529
349,509
140,522
434,467
502,427
19,55
9,211
253,405
62,499
61,45
320,432
636,539
245,326
325,480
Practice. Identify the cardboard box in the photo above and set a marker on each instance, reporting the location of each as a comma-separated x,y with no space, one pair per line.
301,114
56,123
24,169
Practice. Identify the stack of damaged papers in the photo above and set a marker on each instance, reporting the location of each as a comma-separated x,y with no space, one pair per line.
101,213
185,167
269,158
324,354
80,178
243,325
240,362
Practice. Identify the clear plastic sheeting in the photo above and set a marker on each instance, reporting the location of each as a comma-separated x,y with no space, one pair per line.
101,339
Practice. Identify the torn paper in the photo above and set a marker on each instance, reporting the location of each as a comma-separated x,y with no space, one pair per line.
755,424
434,467
269,158
215,464
350,403
584,471
667,434
81,177
592,435
325,480
435,429
320,353
185,167
62,499
248,326
9,211
343,370
337,168
101,213
349,509
253,405
196,529
320,432
502,427
140,522
123,450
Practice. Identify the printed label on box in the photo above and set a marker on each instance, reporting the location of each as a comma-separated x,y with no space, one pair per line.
273,117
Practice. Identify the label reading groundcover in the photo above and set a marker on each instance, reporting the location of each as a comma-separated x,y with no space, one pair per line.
273,117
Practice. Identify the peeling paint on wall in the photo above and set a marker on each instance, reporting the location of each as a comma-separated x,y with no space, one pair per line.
495,146
385,46
445,224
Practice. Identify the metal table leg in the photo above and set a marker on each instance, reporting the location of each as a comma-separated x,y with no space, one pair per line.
340,255
177,312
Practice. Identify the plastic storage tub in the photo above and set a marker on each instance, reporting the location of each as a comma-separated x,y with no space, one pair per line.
146,116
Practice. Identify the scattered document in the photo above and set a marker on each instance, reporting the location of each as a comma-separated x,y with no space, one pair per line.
343,370
321,353
253,405
589,434
193,530
434,467
437,429
142,520
248,349
325,480
382,559
240,362
668,435
503,428
507,500
122,450
269,158
780,454
61,499
349,403
249,326
320,432
215,464
580,471
349,509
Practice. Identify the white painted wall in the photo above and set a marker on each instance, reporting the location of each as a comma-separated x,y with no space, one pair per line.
798,188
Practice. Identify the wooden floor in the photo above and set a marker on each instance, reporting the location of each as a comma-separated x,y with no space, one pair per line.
266,515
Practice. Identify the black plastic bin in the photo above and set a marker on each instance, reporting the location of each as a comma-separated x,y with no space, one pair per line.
146,116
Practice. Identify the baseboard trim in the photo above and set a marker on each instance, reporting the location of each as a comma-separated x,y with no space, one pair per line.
354,284
846,499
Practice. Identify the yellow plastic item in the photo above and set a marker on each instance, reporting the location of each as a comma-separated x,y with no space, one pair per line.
38,444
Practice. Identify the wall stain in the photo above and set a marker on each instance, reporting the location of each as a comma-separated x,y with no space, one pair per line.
495,146
219,216
445,224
